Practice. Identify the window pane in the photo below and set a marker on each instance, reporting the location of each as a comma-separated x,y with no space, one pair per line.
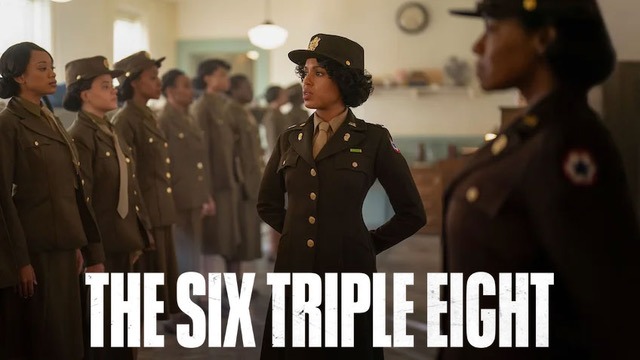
25,20
129,36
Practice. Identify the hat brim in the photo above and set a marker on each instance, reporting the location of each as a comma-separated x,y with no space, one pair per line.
300,56
466,12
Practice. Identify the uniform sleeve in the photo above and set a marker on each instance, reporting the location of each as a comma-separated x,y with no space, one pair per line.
272,191
581,210
8,153
394,175
93,251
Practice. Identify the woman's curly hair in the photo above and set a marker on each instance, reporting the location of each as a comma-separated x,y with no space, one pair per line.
355,85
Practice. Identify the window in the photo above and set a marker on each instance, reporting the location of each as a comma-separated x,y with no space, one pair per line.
129,36
25,20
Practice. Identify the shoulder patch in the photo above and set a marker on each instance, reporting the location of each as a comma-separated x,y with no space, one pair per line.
580,168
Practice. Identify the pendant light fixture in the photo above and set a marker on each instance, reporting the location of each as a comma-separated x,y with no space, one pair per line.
267,35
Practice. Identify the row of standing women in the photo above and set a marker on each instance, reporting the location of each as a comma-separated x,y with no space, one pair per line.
106,195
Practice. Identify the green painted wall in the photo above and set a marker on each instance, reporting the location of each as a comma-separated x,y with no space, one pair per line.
189,50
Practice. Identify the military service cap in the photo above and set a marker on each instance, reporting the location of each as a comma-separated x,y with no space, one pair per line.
88,68
136,63
517,8
346,52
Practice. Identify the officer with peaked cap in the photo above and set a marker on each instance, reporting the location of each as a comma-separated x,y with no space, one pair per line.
323,168
142,133
549,194
107,166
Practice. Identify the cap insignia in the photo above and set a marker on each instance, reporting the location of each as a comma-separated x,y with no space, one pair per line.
313,44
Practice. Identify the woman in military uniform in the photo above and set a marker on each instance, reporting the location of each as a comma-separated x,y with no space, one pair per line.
211,111
46,212
108,175
189,179
323,169
251,159
549,194
141,132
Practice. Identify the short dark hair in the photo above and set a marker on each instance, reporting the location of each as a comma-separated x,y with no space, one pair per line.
13,63
272,93
236,80
208,67
72,100
582,54
125,90
169,79
355,85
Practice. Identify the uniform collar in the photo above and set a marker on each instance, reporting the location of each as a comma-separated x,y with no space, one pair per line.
143,109
96,119
333,123
30,107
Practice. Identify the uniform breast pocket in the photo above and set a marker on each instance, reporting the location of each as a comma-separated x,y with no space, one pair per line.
487,191
354,165
36,149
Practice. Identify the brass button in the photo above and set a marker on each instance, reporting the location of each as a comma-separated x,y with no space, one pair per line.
166,145
135,192
347,136
199,165
354,164
88,199
150,140
284,162
137,208
168,175
499,144
181,135
168,161
348,63
107,153
133,175
310,243
299,136
127,160
472,194
82,181
36,143
312,220
313,172
168,190
312,196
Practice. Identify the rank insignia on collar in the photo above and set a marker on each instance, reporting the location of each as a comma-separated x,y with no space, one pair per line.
393,145
580,168
292,126
352,124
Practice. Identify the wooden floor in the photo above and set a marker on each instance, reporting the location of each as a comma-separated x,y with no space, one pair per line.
418,255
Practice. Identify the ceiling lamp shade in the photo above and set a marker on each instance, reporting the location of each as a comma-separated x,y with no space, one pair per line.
268,36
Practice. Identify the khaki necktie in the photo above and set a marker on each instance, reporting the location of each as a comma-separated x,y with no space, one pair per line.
324,128
123,194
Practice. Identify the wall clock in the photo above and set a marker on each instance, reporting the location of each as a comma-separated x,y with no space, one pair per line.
412,17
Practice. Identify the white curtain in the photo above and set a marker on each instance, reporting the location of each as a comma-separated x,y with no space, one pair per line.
25,20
